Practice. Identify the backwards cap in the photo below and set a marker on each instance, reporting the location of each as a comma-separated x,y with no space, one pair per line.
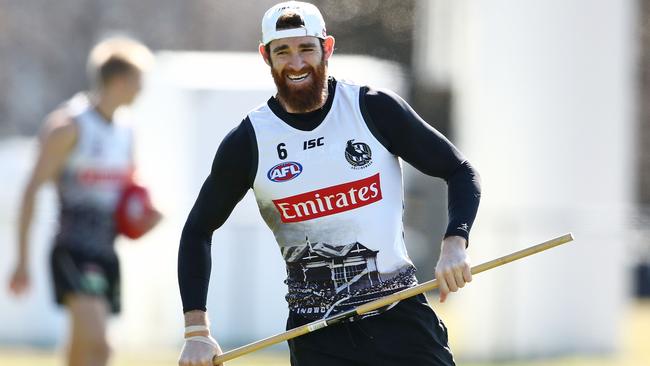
312,21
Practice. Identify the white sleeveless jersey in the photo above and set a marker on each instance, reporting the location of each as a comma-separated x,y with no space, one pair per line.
333,199
93,176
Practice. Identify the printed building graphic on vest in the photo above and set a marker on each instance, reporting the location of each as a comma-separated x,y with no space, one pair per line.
344,268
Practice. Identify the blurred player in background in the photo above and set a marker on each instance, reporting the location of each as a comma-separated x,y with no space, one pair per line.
89,156
322,157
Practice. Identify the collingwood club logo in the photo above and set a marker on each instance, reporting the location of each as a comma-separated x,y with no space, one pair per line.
358,154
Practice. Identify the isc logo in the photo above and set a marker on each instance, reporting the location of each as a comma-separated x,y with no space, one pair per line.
284,171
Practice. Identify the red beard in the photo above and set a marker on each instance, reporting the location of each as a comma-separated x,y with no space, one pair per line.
307,97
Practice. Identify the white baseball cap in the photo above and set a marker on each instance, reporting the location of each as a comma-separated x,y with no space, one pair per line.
312,21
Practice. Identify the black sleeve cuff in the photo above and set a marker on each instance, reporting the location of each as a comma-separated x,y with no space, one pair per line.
457,231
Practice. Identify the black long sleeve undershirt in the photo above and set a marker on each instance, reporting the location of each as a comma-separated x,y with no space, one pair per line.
408,136
393,122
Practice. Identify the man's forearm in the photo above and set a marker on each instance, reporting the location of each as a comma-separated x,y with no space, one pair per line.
194,266
464,195
26,213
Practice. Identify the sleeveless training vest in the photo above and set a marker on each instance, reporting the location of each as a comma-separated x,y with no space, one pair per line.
333,199
92,178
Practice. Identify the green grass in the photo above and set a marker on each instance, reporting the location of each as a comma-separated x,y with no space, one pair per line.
32,358
636,352
40,358
26,357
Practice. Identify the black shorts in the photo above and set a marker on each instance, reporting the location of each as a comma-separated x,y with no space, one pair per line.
77,272
408,334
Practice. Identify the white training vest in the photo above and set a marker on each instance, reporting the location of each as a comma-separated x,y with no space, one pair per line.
333,198
93,176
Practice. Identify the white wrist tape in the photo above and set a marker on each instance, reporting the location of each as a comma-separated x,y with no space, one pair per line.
196,328
207,340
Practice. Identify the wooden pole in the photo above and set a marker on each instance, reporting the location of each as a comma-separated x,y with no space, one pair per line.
384,301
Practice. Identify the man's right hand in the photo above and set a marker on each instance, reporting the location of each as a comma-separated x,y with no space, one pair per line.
199,353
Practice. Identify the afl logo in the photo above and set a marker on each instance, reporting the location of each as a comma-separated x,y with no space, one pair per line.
284,171
358,154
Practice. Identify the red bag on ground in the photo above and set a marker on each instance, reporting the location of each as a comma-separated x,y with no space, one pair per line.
135,214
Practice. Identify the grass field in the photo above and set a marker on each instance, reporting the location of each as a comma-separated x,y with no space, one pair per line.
635,352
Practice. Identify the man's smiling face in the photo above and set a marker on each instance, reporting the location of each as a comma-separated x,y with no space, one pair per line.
299,69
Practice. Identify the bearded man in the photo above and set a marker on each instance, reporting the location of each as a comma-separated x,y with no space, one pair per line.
323,159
